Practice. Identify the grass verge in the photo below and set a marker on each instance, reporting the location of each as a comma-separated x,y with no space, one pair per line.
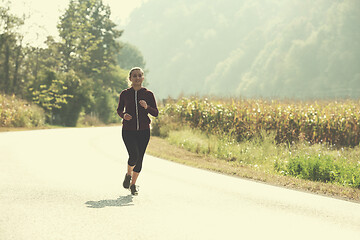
196,155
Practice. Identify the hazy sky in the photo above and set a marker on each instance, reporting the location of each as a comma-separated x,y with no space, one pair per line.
44,15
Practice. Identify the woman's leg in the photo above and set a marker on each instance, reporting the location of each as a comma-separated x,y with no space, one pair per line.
135,175
130,170
130,141
143,138
136,143
129,138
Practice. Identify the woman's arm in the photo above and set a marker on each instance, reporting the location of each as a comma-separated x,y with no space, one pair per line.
152,108
120,109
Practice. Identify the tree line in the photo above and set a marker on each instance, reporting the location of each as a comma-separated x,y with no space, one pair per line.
82,72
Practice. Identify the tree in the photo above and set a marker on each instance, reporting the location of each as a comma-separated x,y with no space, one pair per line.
48,85
79,73
11,54
130,56
88,48
89,37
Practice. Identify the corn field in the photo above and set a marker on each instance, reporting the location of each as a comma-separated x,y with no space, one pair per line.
333,122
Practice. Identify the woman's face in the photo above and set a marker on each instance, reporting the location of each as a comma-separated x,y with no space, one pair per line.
136,78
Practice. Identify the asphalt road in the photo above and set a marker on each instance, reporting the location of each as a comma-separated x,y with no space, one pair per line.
67,184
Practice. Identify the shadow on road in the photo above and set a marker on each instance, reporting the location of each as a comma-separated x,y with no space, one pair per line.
121,201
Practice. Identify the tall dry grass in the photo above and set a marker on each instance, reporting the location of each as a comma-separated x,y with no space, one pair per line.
15,112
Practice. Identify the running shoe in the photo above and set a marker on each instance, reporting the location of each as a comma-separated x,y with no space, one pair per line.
134,190
126,182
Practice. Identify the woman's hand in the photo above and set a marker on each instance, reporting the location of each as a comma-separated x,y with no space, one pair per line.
127,117
143,104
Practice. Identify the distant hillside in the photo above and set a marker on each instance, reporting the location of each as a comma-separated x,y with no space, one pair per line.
249,48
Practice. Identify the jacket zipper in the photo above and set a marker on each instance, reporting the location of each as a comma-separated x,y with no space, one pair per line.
137,112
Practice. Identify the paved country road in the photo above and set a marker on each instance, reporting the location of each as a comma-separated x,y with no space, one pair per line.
67,184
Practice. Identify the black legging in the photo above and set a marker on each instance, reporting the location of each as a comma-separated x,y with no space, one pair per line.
136,143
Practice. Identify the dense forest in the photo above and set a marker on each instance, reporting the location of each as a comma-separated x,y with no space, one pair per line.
80,74
250,48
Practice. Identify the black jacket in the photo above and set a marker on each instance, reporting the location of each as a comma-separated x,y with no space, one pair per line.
129,103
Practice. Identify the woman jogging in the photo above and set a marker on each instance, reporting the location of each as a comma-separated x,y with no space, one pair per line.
134,106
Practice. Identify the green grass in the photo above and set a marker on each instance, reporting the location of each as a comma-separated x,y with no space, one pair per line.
309,162
162,148
257,153
322,168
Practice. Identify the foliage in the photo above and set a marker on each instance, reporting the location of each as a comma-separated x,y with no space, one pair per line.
322,168
130,56
88,120
78,74
15,112
88,48
310,162
333,122
11,51
301,139
88,37
50,93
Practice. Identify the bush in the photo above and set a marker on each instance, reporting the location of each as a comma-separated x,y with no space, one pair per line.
161,125
88,120
15,112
